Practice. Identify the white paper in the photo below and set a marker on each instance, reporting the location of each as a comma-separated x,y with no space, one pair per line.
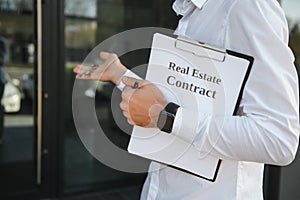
185,85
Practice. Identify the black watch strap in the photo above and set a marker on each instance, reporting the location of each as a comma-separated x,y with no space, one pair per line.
166,118
172,108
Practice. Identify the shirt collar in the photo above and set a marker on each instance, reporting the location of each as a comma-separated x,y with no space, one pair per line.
181,7
199,3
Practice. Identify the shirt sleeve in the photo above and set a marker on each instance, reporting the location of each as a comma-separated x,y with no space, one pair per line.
267,128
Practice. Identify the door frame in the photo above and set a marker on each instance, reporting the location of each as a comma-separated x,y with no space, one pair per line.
48,20
50,91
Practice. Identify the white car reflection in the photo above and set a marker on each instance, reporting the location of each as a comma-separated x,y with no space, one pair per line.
26,86
11,99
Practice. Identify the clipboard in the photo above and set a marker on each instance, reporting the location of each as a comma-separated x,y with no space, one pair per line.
197,77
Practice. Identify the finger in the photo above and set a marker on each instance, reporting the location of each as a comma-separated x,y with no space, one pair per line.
130,121
80,68
124,106
76,69
128,117
133,82
83,72
127,93
128,81
126,114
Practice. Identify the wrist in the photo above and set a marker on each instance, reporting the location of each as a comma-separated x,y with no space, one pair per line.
117,76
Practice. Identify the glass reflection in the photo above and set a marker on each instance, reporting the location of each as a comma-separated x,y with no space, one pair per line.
291,8
82,33
17,146
81,8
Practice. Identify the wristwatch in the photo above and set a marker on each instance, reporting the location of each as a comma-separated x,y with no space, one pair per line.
166,117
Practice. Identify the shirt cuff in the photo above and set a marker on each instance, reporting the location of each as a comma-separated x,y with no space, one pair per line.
185,124
129,74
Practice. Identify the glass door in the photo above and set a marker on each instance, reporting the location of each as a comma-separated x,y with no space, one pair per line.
28,147
82,33
41,155
86,24
18,175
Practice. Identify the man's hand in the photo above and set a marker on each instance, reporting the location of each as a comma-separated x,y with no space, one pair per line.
111,70
141,102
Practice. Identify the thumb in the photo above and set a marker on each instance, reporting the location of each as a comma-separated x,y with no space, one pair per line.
104,55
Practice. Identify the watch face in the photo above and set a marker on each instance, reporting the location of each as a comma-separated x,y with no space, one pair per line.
165,121
162,119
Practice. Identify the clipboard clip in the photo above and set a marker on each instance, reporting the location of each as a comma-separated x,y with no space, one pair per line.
205,50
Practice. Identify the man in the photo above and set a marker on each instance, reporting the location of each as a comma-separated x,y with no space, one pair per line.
266,130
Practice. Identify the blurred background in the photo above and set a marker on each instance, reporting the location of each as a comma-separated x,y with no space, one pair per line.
41,155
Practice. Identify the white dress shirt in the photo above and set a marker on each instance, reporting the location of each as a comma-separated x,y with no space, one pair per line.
267,128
